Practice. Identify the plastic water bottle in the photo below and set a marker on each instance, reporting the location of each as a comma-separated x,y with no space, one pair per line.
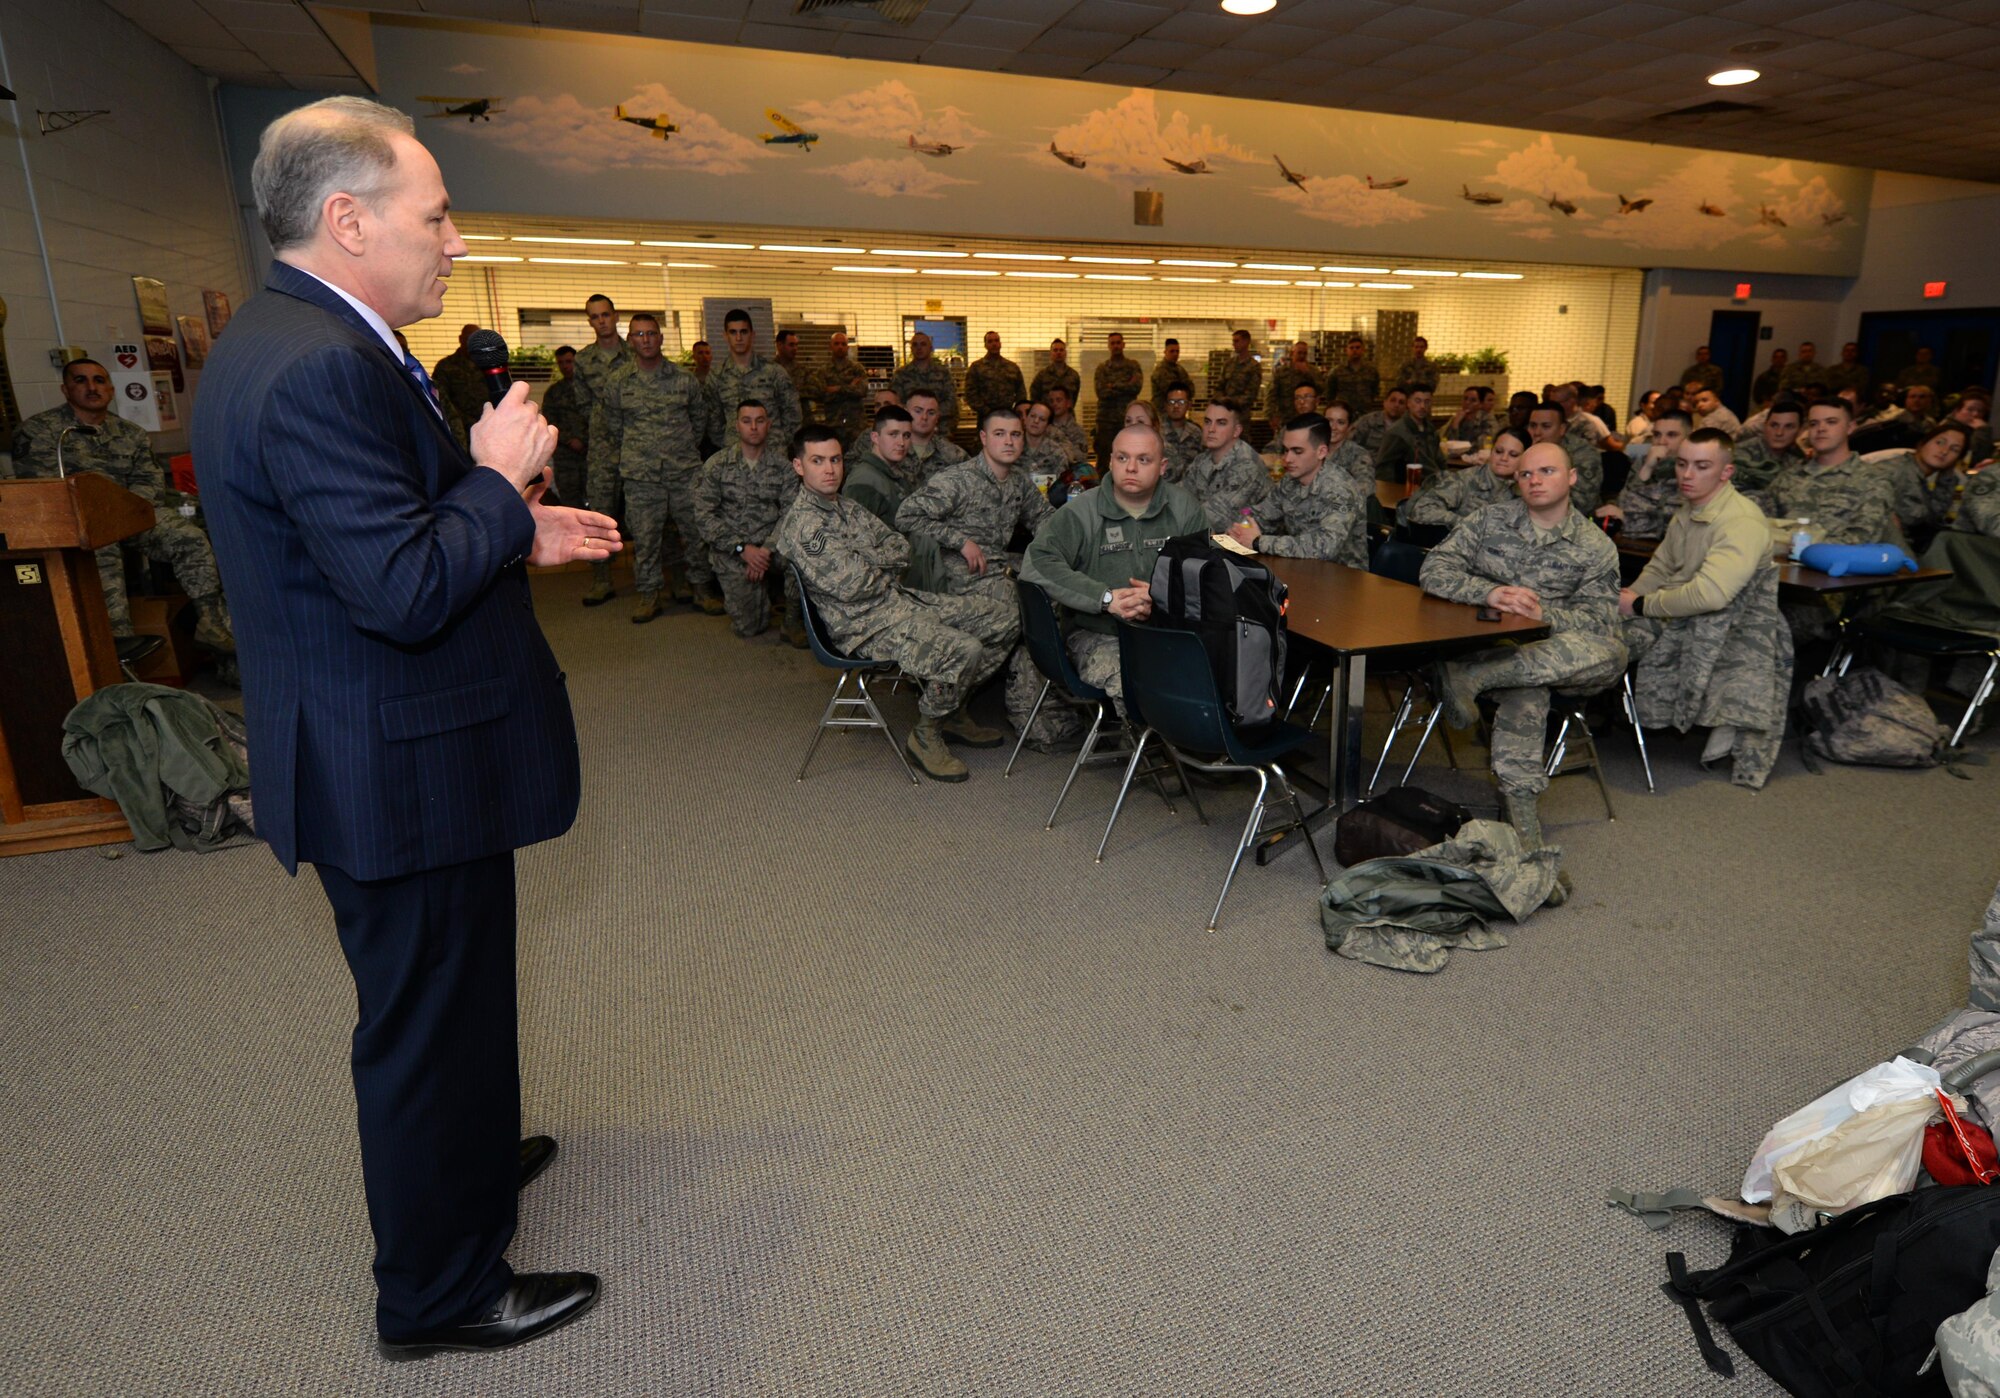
1801,540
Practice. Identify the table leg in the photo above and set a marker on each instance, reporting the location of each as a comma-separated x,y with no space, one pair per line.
1350,701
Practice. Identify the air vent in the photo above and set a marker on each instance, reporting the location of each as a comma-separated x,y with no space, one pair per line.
901,11
1702,111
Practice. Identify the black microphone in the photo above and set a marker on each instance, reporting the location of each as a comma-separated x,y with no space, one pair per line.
488,352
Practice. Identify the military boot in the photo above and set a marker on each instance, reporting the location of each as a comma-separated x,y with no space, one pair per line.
795,629
1527,822
211,627
600,585
645,608
928,747
960,727
1458,698
709,600
678,586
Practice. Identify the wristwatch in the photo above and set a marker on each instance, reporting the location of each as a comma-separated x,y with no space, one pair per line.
1106,599
739,550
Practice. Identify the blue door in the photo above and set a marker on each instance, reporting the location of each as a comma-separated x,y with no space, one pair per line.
1732,347
1965,345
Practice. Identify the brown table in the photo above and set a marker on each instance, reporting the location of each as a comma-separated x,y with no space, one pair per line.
1355,615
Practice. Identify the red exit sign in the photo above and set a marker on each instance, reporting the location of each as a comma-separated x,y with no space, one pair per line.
1933,290
1742,291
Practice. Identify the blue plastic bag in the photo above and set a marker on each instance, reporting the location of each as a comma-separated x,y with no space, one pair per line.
1857,560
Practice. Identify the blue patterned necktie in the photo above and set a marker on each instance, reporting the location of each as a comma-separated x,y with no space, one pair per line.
416,371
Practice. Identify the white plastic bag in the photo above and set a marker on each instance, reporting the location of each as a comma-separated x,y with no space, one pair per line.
1895,1081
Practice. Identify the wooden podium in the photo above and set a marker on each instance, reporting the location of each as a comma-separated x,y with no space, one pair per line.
55,649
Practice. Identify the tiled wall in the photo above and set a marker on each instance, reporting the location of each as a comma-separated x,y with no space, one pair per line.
142,191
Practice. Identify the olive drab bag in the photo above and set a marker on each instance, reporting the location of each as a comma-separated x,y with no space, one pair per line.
1865,717
1237,606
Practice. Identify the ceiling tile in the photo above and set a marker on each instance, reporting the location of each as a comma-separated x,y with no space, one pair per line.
1165,53
1489,33
1127,74
1619,21
1032,11
261,14
1848,16
988,32
965,56
1276,38
705,9
1078,43
1048,65
1114,16
883,48
588,14
689,29
1411,23
1204,27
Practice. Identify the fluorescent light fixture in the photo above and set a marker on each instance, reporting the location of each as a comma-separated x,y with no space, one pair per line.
1249,7
582,261
1114,277
912,252
1279,267
960,272
1733,77
1308,283
703,244
1193,281
1120,261
649,264
880,271
1053,276
1420,272
484,237
1387,286
489,258
1490,276
588,242
1258,281
1330,285
806,247
1359,271
1192,262
707,266
1019,256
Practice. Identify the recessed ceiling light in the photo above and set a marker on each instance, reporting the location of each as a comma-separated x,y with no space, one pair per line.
595,242
1756,46
1733,77
1360,271
1249,7
689,243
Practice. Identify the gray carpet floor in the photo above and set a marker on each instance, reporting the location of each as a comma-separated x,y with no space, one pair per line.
871,1089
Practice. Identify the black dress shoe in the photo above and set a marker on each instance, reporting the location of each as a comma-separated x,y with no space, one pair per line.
535,1304
536,1153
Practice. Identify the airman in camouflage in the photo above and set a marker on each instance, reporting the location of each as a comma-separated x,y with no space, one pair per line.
879,473
1118,382
1979,510
1652,491
1546,424
931,447
1922,374
1850,372
1848,500
853,565
993,381
1703,371
570,416
1537,557
741,494
1314,512
603,491
100,441
1227,477
460,384
840,387
1243,377
927,373
1056,374
1927,482
1064,430
1453,496
1371,428
1803,372
1182,437
1354,380
1474,421
785,353
1775,446
743,374
1041,456
1410,440
972,511
654,415
1297,369
1418,367
1169,373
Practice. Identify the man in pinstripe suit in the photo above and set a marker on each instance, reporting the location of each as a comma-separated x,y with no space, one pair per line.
409,724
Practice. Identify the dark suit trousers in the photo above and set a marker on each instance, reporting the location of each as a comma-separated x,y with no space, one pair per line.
437,1083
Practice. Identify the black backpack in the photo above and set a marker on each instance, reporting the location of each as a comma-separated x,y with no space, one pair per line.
1401,821
1237,606
1850,1309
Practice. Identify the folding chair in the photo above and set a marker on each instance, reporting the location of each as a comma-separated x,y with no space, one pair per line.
1041,632
1568,704
1937,643
1171,690
839,709
1402,562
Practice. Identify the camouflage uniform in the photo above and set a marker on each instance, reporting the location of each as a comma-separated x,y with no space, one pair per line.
1067,434
851,562
1118,383
1650,504
1573,568
801,378
1850,502
594,363
993,381
1855,376
1756,463
1795,377
840,387
1285,381
1358,386
1454,495
1474,427
1325,519
1707,375
1229,487
736,502
1368,431
926,459
1042,458
1979,510
1418,369
1182,441
1168,375
460,384
653,425
1240,382
970,501
1055,376
1358,463
1721,656
767,382
565,407
1587,458
1407,443
1917,376
931,376
123,452
1924,500
1766,385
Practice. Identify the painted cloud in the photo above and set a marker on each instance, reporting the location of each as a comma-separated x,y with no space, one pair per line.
1526,218
1540,169
888,111
1349,202
563,134
1675,222
907,178
1128,144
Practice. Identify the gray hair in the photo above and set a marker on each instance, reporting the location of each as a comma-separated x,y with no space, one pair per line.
335,145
